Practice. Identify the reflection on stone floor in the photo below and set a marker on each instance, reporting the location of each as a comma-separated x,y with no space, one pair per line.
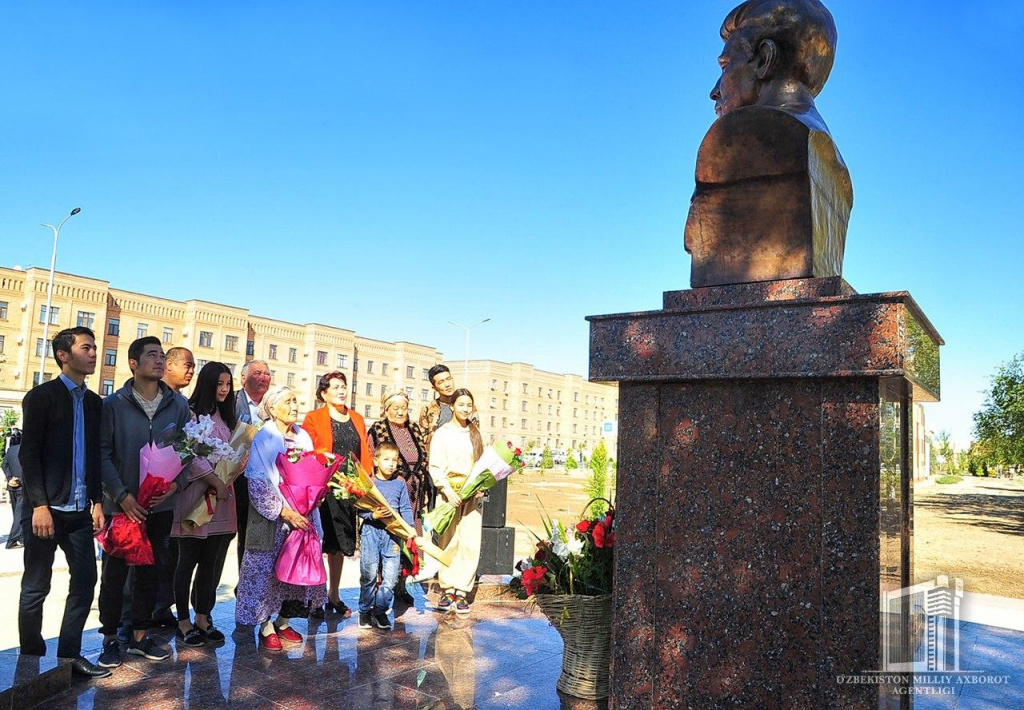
505,655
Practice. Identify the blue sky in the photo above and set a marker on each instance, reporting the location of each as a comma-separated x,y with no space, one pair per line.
388,167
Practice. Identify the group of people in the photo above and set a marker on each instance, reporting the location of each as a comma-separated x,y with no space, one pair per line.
79,465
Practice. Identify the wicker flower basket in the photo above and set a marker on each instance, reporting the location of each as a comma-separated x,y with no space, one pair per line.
585,625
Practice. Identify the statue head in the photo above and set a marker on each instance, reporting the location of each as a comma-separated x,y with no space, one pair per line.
777,53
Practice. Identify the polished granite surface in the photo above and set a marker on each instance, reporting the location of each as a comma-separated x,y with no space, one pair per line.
504,655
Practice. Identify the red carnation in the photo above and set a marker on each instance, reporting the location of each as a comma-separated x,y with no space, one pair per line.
540,555
533,578
603,536
583,526
321,458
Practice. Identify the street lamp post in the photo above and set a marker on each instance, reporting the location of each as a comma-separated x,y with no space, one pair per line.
467,328
49,289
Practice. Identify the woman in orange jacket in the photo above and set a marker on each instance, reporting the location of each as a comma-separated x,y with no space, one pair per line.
336,428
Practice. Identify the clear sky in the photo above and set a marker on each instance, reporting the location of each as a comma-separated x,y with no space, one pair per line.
391,166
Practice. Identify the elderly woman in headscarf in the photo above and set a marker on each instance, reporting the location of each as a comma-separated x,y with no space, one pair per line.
394,426
260,593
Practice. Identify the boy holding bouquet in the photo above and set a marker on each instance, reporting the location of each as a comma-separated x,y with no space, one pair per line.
379,550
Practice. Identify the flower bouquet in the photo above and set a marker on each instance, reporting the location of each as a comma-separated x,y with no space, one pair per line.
304,476
352,482
498,462
569,576
226,468
126,538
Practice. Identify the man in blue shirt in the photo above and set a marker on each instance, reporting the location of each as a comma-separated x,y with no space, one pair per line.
60,461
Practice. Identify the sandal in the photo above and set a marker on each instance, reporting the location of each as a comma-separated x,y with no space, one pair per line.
193,637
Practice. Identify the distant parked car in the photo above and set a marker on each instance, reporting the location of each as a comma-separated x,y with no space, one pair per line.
532,458
559,457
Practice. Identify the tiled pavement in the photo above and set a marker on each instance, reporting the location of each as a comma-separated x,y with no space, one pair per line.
503,656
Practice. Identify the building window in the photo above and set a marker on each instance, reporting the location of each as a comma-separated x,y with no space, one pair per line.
549,410
231,343
549,394
524,406
366,411
291,379
343,361
107,388
369,388
271,352
3,310
205,339
410,371
492,421
426,374
39,348
573,428
1,343
231,367
168,334
86,319
504,422
383,368
141,331
114,327
523,422
200,364
494,384
540,391
355,364
369,367
408,392
539,409
424,395
110,357
575,396
250,347
494,403
538,426
526,388
321,357
46,378
293,355
54,315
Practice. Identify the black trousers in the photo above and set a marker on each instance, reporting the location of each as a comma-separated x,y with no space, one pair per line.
16,528
242,513
144,585
73,534
204,556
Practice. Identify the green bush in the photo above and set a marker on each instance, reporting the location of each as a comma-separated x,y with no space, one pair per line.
547,459
949,479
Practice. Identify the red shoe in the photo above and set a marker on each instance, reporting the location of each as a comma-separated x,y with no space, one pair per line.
289,634
270,642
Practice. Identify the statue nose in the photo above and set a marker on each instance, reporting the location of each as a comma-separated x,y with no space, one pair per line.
716,92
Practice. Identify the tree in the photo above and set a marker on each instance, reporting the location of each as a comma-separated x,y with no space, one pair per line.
1000,423
570,460
597,481
944,447
547,459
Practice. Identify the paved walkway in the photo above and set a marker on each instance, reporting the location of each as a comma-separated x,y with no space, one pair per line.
503,656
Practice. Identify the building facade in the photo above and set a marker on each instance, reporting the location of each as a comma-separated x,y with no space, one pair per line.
527,406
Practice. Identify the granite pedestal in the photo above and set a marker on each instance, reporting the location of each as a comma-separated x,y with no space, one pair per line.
764,492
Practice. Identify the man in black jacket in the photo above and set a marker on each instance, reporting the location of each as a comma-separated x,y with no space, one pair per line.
60,461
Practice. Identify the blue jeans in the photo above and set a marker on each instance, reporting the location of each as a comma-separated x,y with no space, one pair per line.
377,552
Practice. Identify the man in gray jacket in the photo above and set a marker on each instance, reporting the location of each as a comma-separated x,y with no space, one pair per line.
144,411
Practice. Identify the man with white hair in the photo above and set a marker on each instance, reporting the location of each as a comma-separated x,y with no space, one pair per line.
255,383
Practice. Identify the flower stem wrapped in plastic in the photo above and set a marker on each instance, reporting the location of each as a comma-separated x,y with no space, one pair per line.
126,538
227,469
304,477
498,462
352,482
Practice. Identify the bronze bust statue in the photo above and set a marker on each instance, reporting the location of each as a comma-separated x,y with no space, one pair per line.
773,194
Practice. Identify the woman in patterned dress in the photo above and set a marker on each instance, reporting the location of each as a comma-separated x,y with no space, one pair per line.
260,593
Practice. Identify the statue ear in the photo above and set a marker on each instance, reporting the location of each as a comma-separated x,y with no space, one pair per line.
767,59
